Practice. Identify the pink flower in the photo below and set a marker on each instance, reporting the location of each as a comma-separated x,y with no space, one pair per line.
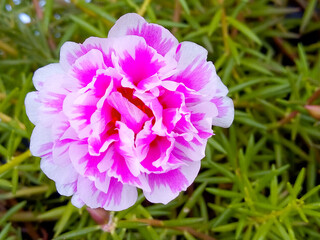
133,110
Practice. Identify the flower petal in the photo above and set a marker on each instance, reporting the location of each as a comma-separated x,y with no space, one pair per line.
121,171
225,112
132,116
66,189
60,153
41,141
76,201
47,102
47,74
159,151
61,129
32,104
102,182
69,53
195,72
83,162
189,150
64,176
155,35
126,148
58,173
117,198
79,109
104,45
167,186
85,67
138,62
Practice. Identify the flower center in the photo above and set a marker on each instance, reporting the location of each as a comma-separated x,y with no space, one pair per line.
128,94
112,124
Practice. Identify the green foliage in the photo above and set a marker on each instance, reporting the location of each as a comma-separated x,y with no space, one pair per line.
259,179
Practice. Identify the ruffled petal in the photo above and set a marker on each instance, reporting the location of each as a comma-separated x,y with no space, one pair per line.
120,170
79,109
76,201
170,118
104,45
66,189
43,106
167,186
45,74
225,112
159,151
83,162
201,118
155,35
131,115
33,104
58,173
41,141
126,148
65,176
195,72
85,67
191,150
60,153
61,129
69,53
103,120
138,62
117,198
102,182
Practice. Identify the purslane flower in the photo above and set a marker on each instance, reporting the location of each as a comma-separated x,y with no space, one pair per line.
134,110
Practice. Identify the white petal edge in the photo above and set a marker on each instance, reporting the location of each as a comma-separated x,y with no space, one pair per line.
127,21
61,174
76,201
94,198
32,104
226,120
163,194
190,51
129,196
46,73
41,141
69,53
